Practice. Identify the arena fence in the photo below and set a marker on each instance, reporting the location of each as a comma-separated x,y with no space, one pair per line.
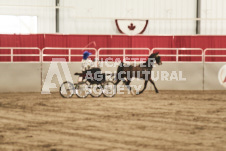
24,69
69,54
180,54
20,54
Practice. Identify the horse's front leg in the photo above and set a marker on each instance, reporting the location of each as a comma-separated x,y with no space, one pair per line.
152,82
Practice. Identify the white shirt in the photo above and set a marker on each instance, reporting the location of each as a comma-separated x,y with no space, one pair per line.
87,64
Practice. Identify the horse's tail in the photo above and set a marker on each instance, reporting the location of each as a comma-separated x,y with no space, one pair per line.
119,69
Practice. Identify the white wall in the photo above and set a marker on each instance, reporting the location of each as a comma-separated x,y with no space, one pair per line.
72,22
46,15
213,9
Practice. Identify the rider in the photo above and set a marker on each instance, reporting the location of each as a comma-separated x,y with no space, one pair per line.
88,65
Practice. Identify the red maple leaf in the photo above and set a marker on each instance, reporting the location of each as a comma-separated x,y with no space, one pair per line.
224,80
131,27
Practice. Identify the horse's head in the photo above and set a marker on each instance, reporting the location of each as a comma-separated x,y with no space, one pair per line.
156,57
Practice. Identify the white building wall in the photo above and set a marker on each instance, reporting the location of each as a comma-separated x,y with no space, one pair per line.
98,16
45,15
75,20
213,9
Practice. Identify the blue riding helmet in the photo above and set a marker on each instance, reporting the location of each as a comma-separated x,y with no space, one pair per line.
86,54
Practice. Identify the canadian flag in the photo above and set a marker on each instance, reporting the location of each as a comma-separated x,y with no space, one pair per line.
131,27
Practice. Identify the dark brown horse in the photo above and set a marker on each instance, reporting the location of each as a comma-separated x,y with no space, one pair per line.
143,71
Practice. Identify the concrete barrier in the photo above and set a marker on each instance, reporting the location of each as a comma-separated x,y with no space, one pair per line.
179,76
20,77
26,77
214,76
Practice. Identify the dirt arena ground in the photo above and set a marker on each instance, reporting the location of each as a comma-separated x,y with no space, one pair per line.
170,120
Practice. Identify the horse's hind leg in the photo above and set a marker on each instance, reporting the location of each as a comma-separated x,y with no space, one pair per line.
116,83
152,82
127,84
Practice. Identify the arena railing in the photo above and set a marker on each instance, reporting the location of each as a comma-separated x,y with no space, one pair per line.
11,54
123,54
222,57
177,54
41,54
68,54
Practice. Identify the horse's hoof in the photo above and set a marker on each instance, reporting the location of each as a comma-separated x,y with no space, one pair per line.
133,92
157,91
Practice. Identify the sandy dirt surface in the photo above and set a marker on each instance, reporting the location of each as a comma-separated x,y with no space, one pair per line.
170,120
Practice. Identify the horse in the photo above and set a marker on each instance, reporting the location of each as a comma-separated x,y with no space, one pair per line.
143,71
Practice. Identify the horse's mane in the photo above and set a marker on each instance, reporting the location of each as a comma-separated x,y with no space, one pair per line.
146,63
